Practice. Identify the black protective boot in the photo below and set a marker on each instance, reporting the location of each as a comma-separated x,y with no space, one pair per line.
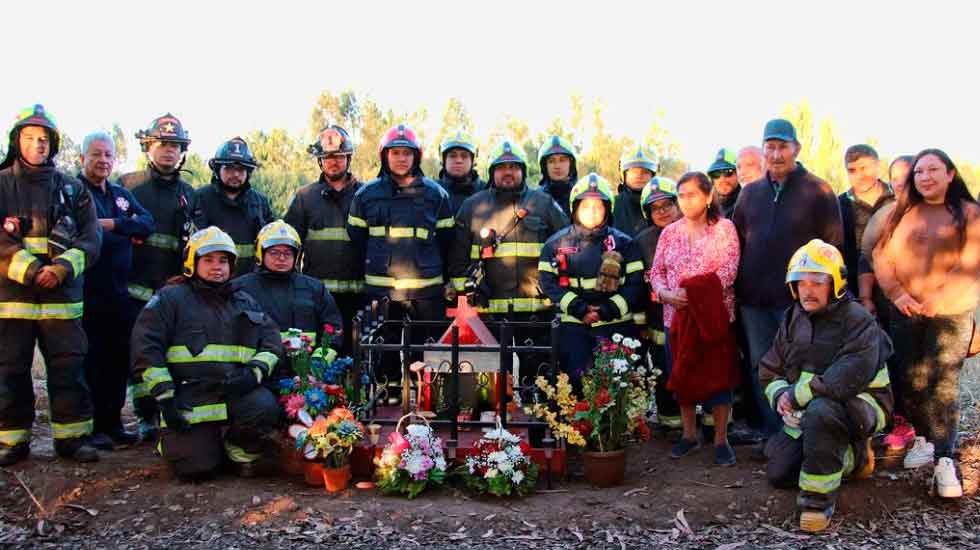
79,449
12,455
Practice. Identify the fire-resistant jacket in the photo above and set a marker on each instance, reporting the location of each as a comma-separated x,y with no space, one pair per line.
171,203
582,250
648,313
241,218
404,233
319,214
840,346
512,272
460,189
627,214
293,300
30,194
191,336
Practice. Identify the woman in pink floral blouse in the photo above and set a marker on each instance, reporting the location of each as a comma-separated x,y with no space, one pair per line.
699,243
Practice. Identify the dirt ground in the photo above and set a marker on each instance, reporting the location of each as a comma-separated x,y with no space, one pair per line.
130,500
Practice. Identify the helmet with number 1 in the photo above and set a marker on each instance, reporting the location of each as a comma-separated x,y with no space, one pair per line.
592,186
507,151
274,234
658,188
557,145
400,135
233,151
639,157
35,115
817,256
205,241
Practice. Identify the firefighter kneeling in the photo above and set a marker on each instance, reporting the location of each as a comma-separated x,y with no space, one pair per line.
826,376
202,349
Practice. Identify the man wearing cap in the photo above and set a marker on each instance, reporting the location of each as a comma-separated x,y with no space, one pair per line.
774,217
318,213
108,313
231,203
170,200
725,181
49,237
638,165
749,165
458,174
558,170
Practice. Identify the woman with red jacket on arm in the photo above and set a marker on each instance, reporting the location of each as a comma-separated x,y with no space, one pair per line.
700,250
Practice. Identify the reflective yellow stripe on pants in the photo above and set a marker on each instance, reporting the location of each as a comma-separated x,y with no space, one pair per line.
37,312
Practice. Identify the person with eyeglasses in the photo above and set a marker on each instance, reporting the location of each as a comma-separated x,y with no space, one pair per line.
725,181
775,216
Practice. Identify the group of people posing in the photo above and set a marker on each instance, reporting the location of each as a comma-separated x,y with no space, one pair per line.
832,318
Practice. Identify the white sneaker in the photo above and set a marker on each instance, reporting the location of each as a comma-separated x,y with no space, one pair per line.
944,476
920,454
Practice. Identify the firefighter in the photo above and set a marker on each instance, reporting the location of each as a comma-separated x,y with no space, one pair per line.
558,170
292,300
318,212
202,348
402,225
231,203
637,166
170,200
825,375
50,236
458,174
498,238
592,272
659,209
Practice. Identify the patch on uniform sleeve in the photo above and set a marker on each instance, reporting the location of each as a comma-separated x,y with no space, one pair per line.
152,304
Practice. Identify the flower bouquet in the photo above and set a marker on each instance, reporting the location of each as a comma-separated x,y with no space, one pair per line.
500,465
330,439
411,462
320,381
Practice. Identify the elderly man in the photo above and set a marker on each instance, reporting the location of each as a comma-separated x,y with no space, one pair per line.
108,317
749,165
774,216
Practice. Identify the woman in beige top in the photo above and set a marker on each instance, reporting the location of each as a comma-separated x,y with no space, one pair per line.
928,264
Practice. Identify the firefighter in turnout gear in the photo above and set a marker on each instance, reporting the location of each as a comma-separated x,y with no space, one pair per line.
825,375
637,166
659,209
292,300
402,224
458,174
202,348
592,301
558,170
231,203
49,237
170,200
318,213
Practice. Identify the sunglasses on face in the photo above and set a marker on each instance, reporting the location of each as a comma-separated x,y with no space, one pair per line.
722,173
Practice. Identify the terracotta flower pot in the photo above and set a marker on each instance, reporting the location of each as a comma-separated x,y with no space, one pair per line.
336,479
605,469
313,473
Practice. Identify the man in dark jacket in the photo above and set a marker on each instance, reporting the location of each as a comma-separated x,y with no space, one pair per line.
231,203
108,312
725,181
774,217
170,200
458,174
50,236
826,377
318,213
637,166
402,225
558,170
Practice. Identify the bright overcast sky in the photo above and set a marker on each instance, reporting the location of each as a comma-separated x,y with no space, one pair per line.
902,72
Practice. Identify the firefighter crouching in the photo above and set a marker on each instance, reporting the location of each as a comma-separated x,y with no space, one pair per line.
592,272
202,350
49,237
825,375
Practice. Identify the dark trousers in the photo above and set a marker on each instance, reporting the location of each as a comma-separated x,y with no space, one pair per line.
930,354
63,346
760,325
201,450
827,450
107,362
349,305
668,411
433,309
144,404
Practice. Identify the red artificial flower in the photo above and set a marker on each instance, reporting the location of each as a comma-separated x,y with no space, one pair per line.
602,397
583,427
398,443
333,389
328,328
643,430
582,406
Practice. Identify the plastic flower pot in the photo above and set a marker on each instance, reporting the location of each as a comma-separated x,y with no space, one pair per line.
605,469
313,473
336,479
